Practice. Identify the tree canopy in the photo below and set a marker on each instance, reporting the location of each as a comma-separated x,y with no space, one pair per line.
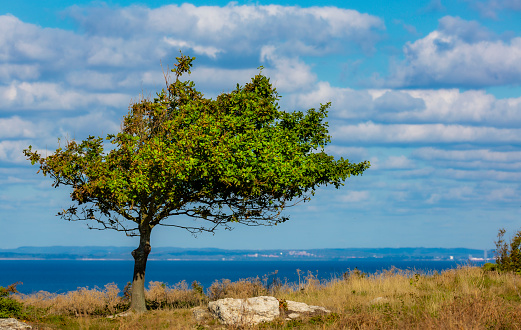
234,159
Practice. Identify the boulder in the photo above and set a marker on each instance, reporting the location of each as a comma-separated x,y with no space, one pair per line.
294,309
13,324
251,311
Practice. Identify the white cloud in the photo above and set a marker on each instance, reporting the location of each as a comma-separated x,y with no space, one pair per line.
10,72
369,132
449,106
459,53
504,195
94,123
345,102
116,44
473,106
16,127
52,96
287,74
220,79
12,152
243,28
23,42
355,196
429,153
393,163
181,44
474,159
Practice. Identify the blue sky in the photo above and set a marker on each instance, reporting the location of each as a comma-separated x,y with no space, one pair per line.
428,91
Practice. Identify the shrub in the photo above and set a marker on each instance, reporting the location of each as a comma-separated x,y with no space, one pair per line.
245,288
8,306
159,295
508,255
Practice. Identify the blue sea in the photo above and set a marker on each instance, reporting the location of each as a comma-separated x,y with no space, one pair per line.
60,276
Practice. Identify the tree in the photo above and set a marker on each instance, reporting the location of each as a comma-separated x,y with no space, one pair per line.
235,159
508,255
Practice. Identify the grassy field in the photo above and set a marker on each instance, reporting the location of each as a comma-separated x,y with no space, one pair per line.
464,298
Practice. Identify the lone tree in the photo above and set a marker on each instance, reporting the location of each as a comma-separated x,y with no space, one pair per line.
235,159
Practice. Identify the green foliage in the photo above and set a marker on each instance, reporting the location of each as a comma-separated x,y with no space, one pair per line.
8,306
235,159
198,288
508,255
489,267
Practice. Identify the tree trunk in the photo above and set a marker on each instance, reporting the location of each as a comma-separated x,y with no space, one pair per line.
137,300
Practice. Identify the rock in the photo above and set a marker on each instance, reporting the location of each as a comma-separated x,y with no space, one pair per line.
13,324
245,311
201,314
301,308
295,309
251,311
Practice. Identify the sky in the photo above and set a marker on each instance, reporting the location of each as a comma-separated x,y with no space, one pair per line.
428,91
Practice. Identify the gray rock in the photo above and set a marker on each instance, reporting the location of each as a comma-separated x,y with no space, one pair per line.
251,311
13,324
245,311
201,314
302,308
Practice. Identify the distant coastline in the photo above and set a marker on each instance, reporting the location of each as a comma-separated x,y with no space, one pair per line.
111,253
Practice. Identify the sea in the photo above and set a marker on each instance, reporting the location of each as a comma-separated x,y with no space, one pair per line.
61,276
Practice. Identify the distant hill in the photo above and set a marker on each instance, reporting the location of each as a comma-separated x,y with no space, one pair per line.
172,253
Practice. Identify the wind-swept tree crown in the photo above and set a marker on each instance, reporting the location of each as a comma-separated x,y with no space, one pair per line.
237,158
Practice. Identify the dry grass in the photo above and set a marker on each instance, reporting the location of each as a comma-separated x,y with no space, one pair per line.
241,289
464,298
84,301
160,295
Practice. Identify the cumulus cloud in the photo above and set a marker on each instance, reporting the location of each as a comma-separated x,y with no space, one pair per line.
23,43
73,83
117,46
381,134
459,53
451,106
235,28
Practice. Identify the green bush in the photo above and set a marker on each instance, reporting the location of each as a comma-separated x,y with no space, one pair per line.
508,255
8,306
490,267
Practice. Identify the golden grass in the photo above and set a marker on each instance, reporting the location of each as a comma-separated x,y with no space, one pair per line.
463,298
84,301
